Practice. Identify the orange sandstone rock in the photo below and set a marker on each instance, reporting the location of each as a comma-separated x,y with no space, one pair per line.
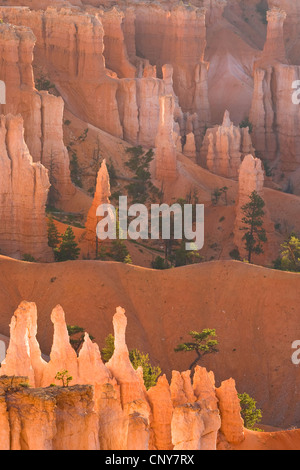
232,424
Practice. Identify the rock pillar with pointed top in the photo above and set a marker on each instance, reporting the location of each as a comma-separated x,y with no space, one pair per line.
102,195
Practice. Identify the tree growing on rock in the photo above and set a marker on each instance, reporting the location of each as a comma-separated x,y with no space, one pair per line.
250,413
64,378
253,220
137,359
203,343
76,334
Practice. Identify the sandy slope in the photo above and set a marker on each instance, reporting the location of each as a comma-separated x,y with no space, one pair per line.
255,312
284,440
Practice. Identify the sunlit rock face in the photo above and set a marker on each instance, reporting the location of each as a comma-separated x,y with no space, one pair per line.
104,406
24,190
224,148
42,113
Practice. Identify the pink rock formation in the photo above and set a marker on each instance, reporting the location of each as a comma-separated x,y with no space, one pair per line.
187,427
162,411
54,153
224,148
274,49
42,113
251,178
23,224
18,360
115,51
177,37
120,365
113,412
291,26
102,195
62,355
165,153
232,426
215,9
16,45
274,116
190,147
70,49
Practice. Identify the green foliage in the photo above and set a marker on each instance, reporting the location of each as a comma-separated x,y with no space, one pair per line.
150,373
112,174
262,8
204,343
183,257
76,334
289,259
24,384
235,254
28,258
160,263
246,123
42,83
250,414
118,250
218,193
139,163
127,259
75,170
54,237
109,348
68,249
255,234
64,377
137,358
267,168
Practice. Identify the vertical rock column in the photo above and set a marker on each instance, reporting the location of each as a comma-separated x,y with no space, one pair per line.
251,178
102,195
23,227
165,153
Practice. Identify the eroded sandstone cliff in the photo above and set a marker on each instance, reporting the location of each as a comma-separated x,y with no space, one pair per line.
24,187
107,405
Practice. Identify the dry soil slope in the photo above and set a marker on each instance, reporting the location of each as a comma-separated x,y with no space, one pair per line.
254,310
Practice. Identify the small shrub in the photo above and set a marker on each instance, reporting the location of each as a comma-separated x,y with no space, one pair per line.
235,254
28,258
64,377
247,123
160,263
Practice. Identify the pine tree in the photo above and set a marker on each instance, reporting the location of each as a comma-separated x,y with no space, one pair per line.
53,234
250,414
203,344
255,234
109,348
68,249
150,373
